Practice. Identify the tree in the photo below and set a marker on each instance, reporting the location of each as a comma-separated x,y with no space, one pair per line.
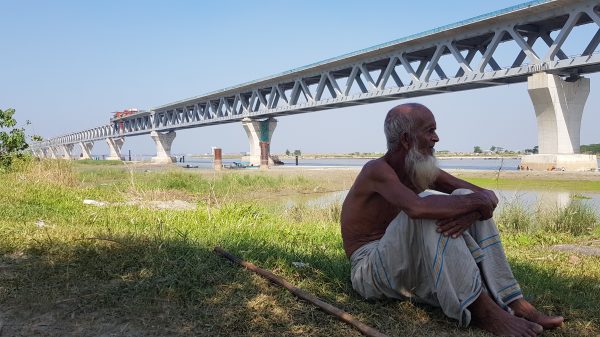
477,149
591,148
493,148
297,153
287,152
12,138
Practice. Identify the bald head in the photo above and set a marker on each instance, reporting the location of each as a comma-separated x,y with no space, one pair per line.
403,119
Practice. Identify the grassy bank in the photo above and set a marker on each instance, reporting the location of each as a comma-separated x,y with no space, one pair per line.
132,267
535,184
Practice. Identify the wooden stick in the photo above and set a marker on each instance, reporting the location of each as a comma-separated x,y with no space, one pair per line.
328,308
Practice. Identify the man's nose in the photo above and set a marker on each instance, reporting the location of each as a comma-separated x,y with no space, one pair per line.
435,137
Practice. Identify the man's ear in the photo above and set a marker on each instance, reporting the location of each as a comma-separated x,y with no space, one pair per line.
405,141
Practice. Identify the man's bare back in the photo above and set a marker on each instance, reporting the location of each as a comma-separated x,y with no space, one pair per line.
365,213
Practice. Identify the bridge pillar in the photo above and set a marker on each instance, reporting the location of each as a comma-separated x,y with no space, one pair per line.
86,149
38,153
258,131
52,152
163,143
67,150
558,108
114,146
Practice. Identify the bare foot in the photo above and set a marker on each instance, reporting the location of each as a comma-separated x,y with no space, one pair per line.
488,316
524,309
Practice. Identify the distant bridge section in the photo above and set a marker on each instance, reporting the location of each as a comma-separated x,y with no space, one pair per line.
502,47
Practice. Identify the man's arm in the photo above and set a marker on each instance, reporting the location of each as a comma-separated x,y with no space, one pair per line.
447,183
385,181
455,226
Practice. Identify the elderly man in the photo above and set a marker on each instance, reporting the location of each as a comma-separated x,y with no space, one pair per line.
432,247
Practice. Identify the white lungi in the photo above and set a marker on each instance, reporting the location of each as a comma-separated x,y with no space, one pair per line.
413,261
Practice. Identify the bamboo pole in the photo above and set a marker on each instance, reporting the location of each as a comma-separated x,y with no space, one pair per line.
328,308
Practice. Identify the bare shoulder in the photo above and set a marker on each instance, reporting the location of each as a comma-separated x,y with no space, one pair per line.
377,169
376,166
373,172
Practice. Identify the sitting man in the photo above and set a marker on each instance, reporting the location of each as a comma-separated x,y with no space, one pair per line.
434,248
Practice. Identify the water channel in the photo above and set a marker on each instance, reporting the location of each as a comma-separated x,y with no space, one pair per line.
546,199
533,199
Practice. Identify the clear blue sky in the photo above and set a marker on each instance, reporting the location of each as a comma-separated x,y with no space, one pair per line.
65,65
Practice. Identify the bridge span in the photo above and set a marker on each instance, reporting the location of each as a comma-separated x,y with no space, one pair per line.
517,44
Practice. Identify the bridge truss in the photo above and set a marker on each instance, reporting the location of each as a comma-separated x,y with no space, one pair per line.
553,36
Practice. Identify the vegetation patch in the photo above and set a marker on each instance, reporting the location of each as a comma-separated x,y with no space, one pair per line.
535,184
70,268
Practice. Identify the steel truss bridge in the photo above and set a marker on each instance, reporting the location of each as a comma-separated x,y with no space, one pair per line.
502,47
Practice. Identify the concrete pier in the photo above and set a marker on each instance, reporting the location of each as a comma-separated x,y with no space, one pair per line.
53,152
258,131
67,150
560,162
558,105
86,149
163,143
114,146
39,153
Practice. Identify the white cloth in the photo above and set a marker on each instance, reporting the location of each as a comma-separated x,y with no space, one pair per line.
412,260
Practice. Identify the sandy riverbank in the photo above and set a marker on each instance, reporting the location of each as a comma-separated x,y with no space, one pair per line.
350,172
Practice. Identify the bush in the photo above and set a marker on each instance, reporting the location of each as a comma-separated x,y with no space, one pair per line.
12,139
515,216
576,218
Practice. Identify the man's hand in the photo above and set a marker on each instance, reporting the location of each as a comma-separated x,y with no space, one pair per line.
488,201
456,226
492,196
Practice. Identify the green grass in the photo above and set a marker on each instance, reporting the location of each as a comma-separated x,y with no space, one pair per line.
128,270
575,218
88,162
536,184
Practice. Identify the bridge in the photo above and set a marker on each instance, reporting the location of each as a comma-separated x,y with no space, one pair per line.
517,44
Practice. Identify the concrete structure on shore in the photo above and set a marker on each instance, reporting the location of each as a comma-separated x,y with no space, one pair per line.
558,105
456,57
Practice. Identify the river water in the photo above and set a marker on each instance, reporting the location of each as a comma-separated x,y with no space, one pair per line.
531,198
544,199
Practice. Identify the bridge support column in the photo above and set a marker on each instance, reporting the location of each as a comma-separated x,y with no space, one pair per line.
114,146
163,143
67,150
86,149
558,108
258,132
39,153
52,151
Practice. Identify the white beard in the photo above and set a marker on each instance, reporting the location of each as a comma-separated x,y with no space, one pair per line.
422,169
